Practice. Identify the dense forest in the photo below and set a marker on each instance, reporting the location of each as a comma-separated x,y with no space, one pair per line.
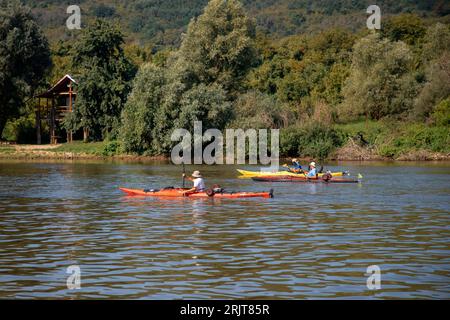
311,68
158,24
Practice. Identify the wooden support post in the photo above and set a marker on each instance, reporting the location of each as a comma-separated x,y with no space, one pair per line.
53,125
38,122
69,134
47,118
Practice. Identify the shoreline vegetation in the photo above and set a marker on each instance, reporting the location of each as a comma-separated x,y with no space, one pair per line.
336,93
99,151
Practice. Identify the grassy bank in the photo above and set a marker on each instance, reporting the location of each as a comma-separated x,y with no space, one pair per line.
74,150
394,140
78,147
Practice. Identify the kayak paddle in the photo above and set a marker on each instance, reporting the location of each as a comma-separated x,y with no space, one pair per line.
184,174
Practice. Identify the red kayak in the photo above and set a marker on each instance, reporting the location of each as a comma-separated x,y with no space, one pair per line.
178,192
303,179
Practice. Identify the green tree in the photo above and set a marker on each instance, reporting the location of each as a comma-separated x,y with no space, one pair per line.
436,74
441,113
24,58
138,116
408,28
437,41
303,66
381,82
218,46
436,87
104,79
255,109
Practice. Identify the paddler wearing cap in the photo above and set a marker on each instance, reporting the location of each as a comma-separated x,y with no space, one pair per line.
295,167
199,183
312,170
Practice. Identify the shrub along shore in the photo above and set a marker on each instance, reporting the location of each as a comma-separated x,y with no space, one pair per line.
359,141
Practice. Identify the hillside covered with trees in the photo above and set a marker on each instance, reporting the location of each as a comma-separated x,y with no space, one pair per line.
310,68
160,24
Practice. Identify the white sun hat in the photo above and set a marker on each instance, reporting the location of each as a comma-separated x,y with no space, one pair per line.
196,174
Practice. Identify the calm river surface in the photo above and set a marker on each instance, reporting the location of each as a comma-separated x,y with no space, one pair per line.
310,241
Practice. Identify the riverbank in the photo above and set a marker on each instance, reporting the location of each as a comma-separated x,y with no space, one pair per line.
68,151
351,151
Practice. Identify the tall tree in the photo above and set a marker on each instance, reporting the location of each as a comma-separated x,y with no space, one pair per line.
219,45
436,58
104,79
381,82
24,58
138,116
408,28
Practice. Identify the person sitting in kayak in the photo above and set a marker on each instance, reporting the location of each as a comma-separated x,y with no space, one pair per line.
199,183
312,170
296,167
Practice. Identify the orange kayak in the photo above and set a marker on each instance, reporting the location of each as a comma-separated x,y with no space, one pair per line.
178,192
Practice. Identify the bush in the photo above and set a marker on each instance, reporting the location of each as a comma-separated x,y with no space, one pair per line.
111,148
289,141
315,140
368,132
393,142
21,130
441,113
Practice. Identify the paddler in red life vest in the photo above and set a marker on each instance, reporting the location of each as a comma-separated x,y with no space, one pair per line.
199,183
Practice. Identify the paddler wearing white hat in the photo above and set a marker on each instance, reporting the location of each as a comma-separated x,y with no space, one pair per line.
312,170
199,183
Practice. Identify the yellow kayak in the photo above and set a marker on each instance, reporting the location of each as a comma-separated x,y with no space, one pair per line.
250,174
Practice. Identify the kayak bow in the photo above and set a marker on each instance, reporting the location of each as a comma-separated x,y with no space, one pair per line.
178,192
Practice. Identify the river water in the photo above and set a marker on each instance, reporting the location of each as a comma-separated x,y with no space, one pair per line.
309,241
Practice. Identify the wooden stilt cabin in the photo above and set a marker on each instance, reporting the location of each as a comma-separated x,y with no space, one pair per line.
52,106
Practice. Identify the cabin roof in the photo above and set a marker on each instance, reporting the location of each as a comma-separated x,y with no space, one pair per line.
60,88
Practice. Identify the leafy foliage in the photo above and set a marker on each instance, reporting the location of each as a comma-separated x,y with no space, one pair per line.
408,28
314,140
104,79
255,109
381,82
24,58
138,117
436,87
197,82
441,113
218,47
162,22
301,67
